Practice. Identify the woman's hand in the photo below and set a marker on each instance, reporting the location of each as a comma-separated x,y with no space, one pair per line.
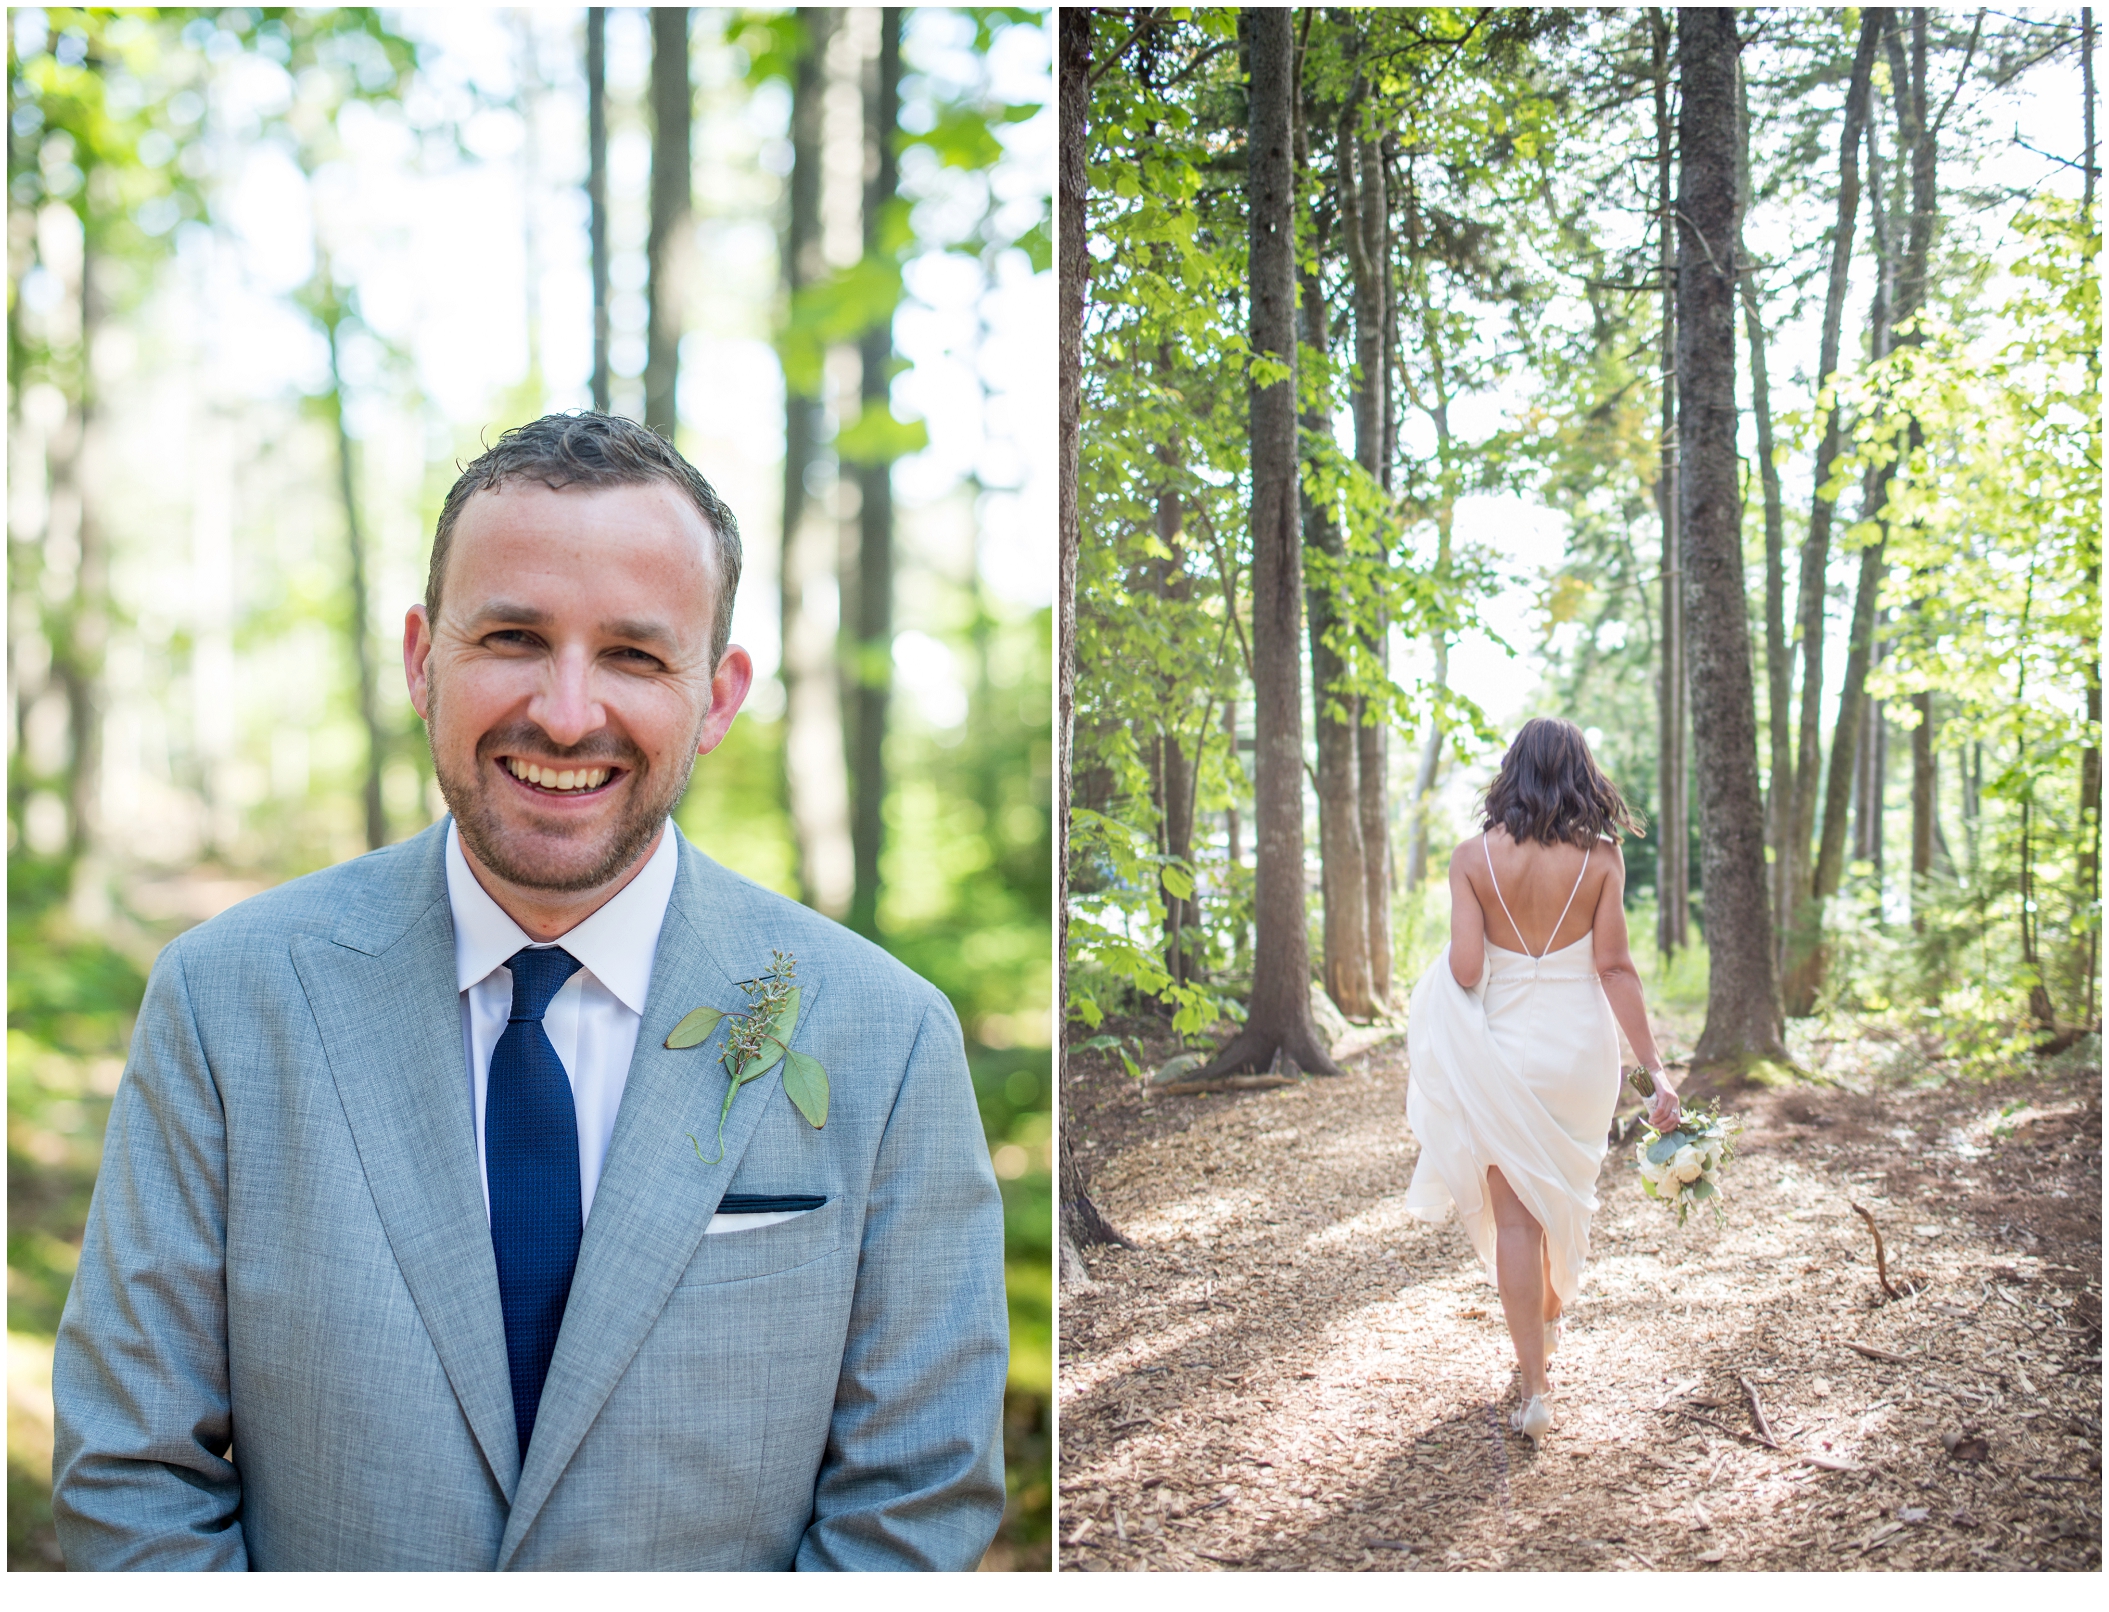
1663,1108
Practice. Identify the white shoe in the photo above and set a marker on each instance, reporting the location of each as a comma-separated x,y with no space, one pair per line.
1534,1421
1552,1335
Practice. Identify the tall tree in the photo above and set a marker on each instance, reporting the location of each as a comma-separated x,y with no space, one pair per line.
1798,923
1743,1024
1082,1226
597,191
1335,708
667,240
2090,812
1672,829
1278,1017
871,662
815,775
1365,211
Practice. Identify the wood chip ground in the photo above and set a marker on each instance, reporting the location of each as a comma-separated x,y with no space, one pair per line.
1288,1372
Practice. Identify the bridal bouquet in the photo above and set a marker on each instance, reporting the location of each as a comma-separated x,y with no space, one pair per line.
1683,1165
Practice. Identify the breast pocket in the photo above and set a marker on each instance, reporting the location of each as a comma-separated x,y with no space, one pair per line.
770,1245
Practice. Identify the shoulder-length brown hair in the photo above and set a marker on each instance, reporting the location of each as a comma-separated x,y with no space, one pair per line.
1551,790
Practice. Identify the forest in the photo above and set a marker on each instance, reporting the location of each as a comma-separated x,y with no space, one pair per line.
275,273
1726,382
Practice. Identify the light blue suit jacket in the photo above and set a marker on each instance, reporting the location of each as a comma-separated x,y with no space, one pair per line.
288,1254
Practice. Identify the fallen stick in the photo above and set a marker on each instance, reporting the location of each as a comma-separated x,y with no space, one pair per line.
1873,1353
1823,1463
1881,1262
1757,1412
1723,1427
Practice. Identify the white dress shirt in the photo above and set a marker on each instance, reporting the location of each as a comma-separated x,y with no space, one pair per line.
592,1021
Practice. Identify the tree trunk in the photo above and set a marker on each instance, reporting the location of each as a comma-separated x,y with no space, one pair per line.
1430,760
871,663
815,776
1082,1226
1779,665
666,246
1278,1018
1333,711
1805,978
82,622
355,546
597,191
2090,813
1801,934
1743,1022
1369,262
1673,831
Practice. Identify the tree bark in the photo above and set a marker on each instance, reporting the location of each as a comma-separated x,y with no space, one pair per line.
1341,874
1278,1018
871,663
1801,934
597,191
1082,1226
1743,1023
667,240
1430,760
815,777
1673,818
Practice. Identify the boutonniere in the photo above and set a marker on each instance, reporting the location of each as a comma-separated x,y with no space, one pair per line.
759,1041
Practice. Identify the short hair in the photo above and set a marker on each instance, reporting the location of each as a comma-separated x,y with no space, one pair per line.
585,449
1550,789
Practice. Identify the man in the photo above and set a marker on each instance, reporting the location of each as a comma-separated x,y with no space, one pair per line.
417,1246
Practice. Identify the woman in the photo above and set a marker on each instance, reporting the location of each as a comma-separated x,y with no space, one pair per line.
1515,1069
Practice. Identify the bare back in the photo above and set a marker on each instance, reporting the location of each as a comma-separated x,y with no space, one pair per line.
1536,882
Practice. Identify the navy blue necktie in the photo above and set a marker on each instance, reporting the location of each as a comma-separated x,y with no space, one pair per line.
531,1160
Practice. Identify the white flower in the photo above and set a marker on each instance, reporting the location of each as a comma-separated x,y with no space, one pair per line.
1686,1165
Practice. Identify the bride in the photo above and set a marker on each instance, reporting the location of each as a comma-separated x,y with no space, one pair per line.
1514,1057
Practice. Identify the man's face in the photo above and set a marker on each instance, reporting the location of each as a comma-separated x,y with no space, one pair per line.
566,685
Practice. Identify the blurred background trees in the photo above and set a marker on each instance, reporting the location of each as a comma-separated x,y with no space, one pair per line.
273,273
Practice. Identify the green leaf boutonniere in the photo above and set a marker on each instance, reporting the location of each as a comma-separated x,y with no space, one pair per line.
760,1040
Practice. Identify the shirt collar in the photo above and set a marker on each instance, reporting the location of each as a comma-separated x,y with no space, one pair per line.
617,943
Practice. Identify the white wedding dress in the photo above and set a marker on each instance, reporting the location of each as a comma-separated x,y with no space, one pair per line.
1520,1072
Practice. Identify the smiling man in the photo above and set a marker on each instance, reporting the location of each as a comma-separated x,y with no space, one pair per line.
424,1241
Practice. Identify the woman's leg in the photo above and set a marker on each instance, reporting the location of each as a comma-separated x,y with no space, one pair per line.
1553,1306
1519,1269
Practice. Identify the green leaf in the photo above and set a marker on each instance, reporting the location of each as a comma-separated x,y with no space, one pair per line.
1665,1148
1702,1189
875,437
805,1083
695,1028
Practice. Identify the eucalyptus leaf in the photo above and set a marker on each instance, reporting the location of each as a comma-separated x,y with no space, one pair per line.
1665,1148
805,1083
1702,1189
694,1028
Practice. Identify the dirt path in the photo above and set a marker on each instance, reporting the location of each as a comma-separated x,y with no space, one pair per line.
1288,1372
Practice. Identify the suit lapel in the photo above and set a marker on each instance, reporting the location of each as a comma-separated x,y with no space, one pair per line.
655,1196
384,1001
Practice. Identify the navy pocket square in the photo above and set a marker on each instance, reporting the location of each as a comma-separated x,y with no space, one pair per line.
768,1203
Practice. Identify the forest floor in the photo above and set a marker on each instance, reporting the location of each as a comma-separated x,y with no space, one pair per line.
1286,1371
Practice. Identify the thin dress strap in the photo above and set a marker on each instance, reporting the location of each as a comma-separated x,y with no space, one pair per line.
1538,956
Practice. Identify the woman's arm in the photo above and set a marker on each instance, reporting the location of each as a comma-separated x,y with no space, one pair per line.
1621,980
1468,925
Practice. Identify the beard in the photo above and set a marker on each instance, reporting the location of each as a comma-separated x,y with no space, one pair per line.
582,858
